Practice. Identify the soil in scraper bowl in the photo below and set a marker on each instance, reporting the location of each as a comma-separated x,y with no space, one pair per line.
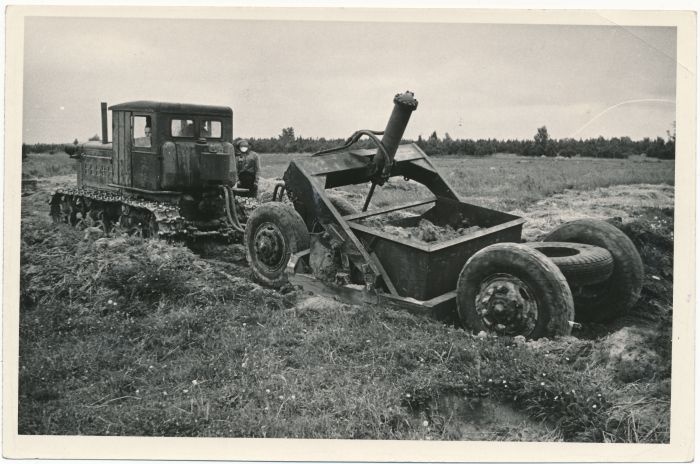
425,231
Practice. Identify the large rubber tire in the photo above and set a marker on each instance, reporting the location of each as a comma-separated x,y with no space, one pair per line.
581,264
537,297
274,232
614,297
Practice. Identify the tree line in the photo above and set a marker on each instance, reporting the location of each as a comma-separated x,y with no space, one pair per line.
51,148
540,145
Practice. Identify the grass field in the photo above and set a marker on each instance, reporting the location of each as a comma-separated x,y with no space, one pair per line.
511,182
124,336
505,183
47,165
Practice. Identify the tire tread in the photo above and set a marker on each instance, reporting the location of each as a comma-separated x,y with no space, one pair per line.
624,286
289,222
556,308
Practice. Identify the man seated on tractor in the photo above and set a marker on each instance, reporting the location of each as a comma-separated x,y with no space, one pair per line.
144,141
248,167
204,130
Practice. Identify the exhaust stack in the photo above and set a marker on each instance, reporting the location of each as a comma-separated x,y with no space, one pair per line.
103,107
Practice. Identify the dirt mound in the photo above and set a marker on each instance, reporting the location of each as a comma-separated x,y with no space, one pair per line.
652,234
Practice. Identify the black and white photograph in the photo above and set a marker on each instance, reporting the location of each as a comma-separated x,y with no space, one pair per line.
361,231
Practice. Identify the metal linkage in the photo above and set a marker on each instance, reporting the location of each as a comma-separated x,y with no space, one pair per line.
278,192
356,137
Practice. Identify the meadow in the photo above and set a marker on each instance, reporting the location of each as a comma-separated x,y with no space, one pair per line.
43,165
125,336
510,182
503,182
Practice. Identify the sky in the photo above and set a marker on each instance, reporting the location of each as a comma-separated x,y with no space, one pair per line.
328,79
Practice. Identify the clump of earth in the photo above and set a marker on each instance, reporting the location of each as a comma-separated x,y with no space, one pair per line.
425,231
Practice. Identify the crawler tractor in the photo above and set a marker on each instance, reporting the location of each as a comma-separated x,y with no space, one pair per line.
169,172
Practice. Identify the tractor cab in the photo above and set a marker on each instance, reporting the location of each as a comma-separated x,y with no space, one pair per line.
172,146
161,149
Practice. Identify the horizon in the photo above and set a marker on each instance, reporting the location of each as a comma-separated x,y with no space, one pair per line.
411,140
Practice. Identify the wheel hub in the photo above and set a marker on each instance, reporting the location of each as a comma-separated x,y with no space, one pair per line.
507,305
270,245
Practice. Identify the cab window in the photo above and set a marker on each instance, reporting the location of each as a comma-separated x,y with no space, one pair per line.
142,131
210,129
182,128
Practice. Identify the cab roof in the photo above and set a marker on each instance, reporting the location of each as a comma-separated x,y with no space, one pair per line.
165,107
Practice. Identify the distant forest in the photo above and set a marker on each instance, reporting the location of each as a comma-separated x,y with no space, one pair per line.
540,145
